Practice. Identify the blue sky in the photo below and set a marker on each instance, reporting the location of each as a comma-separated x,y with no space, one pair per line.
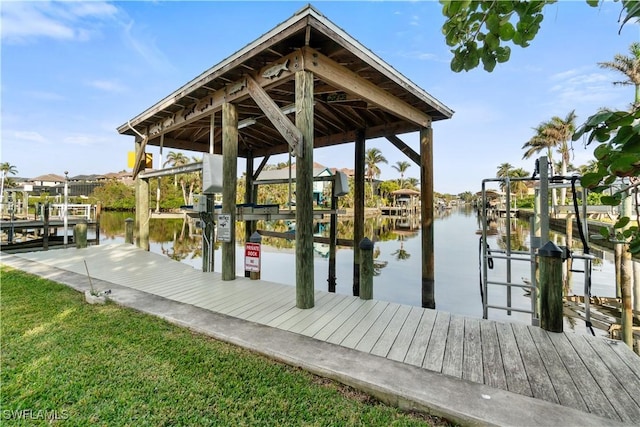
74,71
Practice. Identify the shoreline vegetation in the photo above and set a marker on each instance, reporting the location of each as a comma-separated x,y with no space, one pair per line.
66,360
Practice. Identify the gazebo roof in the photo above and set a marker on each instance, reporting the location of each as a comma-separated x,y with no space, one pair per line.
405,192
354,90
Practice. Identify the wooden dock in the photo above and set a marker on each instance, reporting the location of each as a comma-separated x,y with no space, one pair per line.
591,374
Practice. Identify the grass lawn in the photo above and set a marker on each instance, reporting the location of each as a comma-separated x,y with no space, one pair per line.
109,365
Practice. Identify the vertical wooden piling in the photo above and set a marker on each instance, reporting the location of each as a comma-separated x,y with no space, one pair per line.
333,237
80,234
550,261
358,207
143,205
366,268
304,192
128,230
45,227
229,178
427,218
248,198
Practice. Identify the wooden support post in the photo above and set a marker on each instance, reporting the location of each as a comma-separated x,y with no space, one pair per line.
143,205
550,260
45,227
358,207
80,234
128,231
366,269
98,213
209,231
304,191
626,279
333,236
427,218
248,198
229,178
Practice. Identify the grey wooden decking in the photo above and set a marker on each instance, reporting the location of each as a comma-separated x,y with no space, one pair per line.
591,374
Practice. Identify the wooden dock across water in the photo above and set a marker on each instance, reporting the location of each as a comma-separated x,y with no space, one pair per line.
592,374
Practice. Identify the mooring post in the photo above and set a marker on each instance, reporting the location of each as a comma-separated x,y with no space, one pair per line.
550,260
45,227
80,234
128,230
366,269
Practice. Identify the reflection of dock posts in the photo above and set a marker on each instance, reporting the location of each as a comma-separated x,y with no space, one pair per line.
366,269
333,234
550,258
98,211
45,227
128,231
80,234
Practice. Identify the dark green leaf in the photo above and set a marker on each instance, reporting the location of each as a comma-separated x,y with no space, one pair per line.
507,31
610,200
590,180
622,222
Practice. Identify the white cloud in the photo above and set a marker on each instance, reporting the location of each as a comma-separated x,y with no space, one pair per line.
29,136
583,87
107,85
25,21
45,96
81,139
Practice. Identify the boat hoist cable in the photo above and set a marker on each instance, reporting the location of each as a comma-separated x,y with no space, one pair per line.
489,264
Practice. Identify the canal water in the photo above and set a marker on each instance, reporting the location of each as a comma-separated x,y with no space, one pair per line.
397,255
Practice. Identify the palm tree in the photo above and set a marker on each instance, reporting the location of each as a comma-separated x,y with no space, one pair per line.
629,66
411,183
402,168
504,171
174,160
373,157
555,133
5,169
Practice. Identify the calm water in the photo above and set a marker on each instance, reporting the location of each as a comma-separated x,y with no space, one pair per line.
397,252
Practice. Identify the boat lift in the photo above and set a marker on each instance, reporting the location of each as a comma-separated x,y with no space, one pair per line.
539,235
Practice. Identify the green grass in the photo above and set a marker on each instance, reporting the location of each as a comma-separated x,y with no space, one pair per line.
109,365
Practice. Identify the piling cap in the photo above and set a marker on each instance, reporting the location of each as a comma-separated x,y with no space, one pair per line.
255,237
550,250
366,244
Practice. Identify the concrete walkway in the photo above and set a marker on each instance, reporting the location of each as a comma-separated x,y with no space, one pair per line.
395,383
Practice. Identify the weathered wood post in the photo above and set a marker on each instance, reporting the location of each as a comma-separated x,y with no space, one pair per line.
80,234
229,178
427,218
366,269
257,239
550,260
304,191
45,227
333,235
128,231
358,207
248,198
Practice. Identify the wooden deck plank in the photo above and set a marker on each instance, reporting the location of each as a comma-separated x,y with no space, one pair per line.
388,337
338,321
376,330
472,353
537,375
352,322
624,405
321,309
595,400
420,341
276,300
515,374
614,364
629,358
364,326
434,356
326,317
303,314
454,351
492,366
238,310
400,346
563,385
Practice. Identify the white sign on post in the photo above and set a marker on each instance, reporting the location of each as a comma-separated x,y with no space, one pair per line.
252,257
224,228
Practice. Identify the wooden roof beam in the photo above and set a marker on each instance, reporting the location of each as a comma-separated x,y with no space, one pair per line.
402,146
339,76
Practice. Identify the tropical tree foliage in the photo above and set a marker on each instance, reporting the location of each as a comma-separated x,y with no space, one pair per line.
482,31
6,169
629,66
401,166
373,157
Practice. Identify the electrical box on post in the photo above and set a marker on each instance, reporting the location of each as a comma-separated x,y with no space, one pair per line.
199,203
